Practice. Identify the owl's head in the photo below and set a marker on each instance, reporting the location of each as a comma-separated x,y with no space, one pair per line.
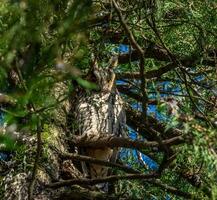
104,77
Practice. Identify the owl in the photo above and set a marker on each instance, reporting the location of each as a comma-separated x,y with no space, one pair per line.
100,112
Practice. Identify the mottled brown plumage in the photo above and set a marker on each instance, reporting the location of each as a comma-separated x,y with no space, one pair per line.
100,112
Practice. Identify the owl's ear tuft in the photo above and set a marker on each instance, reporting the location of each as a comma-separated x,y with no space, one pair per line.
113,62
93,73
94,64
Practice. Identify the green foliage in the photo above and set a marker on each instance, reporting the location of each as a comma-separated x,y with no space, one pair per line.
44,43
7,143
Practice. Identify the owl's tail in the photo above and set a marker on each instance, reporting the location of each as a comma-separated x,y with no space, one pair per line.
99,171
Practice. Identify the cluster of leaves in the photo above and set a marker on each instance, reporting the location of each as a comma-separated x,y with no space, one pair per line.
36,47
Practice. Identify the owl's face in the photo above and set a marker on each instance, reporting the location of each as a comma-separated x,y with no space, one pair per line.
104,77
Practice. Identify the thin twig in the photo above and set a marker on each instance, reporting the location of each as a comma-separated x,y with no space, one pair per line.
142,60
177,62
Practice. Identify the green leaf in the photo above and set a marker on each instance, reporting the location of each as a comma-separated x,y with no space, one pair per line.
86,84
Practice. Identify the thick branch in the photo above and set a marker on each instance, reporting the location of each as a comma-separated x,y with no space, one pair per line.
99,162
135,121
127,30
152,50
85,181
98,21
126,89
111,141
158,54
156,73
77,192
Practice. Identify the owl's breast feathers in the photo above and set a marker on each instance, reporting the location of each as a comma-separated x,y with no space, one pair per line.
97,114
100,113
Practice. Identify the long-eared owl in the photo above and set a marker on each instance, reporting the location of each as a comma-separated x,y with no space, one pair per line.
100,112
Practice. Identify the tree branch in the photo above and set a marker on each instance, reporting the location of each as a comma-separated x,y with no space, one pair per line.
98,162
85,181
141,53
112,141
77,192
135,121
156,73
